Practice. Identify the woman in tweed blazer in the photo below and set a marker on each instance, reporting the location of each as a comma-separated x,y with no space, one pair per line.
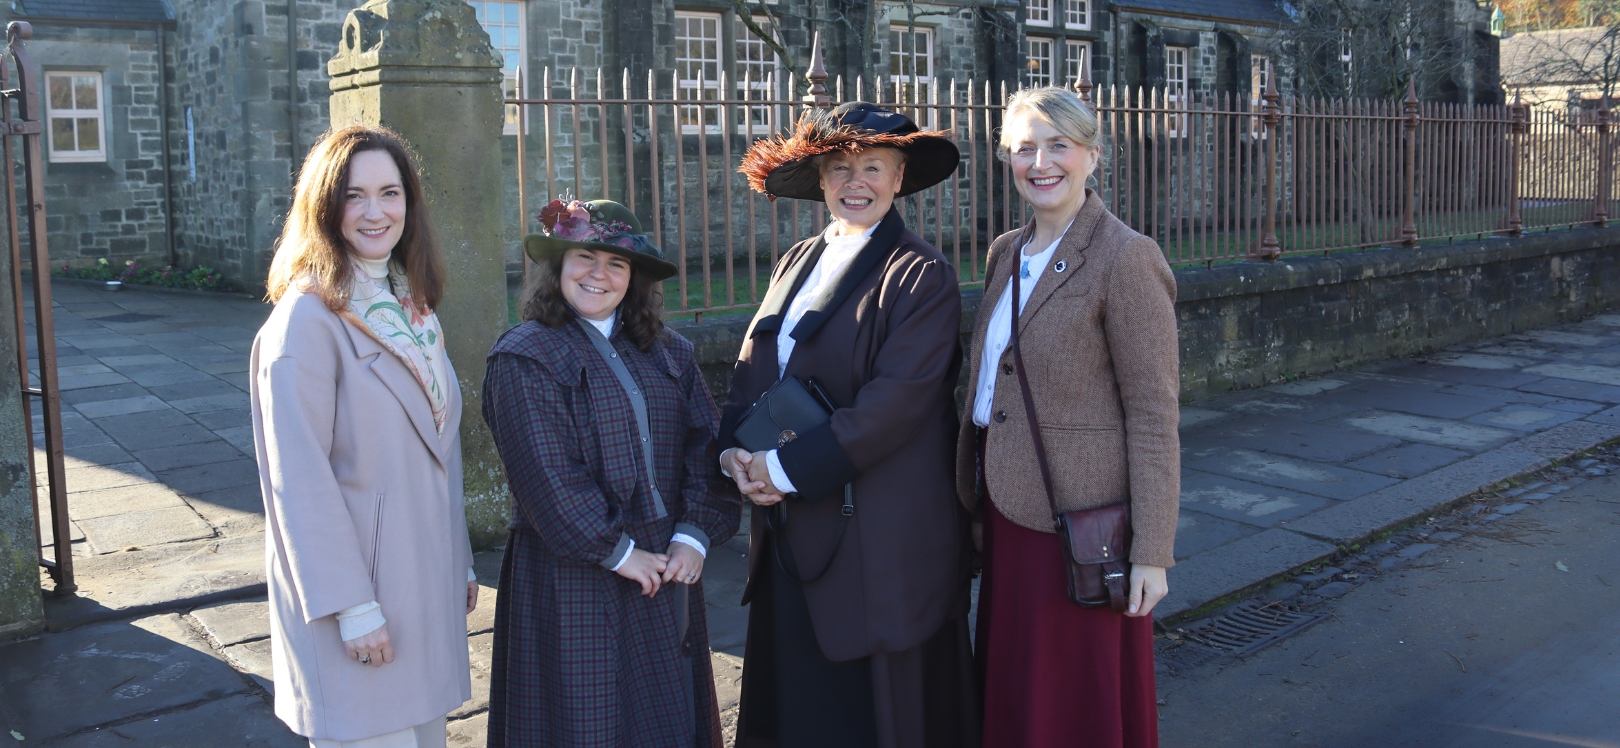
1097,331
607,430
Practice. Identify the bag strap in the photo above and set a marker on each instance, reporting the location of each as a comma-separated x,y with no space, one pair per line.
776,519
1029,400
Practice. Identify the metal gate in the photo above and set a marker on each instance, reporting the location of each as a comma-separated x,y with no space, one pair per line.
22,125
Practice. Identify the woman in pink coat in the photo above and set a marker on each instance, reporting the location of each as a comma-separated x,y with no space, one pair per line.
355,418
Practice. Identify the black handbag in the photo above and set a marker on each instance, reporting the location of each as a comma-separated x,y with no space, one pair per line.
1096,541
786,410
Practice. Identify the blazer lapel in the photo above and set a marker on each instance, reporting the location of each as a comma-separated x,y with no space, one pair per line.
402,383
1069,256
878,247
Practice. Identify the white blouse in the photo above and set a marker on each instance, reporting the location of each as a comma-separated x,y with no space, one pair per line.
999,334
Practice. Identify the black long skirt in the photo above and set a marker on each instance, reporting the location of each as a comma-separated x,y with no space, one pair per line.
794,697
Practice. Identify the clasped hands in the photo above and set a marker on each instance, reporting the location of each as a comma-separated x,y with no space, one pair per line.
752,476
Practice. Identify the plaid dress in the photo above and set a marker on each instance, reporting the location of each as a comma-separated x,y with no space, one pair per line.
581,658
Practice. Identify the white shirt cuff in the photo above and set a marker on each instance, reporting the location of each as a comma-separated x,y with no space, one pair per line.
625,557
472,576
779,476
723,470
360,620
682,537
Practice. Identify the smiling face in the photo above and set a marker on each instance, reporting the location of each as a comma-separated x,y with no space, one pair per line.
861,186
1049,169
373,205
594,282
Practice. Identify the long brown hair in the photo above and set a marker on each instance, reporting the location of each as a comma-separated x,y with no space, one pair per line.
641,311
312,245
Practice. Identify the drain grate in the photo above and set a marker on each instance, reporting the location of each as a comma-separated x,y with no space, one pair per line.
1243,631
128,317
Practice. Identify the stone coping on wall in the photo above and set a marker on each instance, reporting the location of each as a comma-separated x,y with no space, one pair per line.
717,340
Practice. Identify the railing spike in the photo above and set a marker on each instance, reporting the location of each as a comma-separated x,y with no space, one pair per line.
817,75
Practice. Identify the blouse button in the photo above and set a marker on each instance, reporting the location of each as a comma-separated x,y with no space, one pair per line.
635,392
1006,368
1001,416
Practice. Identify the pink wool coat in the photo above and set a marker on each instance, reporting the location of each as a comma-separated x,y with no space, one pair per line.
363,502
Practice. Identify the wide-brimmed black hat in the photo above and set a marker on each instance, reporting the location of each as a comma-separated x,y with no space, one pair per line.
785,166
600,225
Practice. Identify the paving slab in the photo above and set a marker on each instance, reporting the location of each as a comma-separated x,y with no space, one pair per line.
174,393
240,437
1524,418
165,374
1522,397
1354,520
219,420
108,502
206,403
725,573
66,382
1242,501
234,623
1416,397
1264,403
469,732
1437,431
109,392
144,529
1481,361
122,362
1310,441
1197,532
1237,566
241,721
168,436
88,476
479,649
105,452
1408,460
1578,372
136,424
1563,338
1610,416
164,577
58,684
121,407
238,510
1575,390
1457,373
1191,417
199,453
254,660
1299,475
205,478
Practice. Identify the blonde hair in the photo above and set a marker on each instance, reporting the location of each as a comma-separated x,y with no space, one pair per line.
312,246
1059,107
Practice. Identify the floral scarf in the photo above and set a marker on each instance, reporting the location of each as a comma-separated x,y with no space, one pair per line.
384,308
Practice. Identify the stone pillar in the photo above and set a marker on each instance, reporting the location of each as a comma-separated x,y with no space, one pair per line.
21,607
425,68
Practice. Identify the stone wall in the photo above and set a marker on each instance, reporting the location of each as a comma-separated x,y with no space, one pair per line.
21,608
1249,324
112,209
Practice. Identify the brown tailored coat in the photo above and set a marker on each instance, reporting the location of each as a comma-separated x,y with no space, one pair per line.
885,345
1100,348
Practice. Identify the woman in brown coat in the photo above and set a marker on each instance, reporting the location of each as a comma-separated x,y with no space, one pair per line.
1097,331
858,579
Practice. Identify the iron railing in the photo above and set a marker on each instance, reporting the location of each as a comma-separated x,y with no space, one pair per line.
1211,178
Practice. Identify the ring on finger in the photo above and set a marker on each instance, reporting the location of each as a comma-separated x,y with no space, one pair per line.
364,659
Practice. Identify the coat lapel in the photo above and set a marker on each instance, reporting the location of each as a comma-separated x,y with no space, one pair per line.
403,384
774,308
878,247
1070,252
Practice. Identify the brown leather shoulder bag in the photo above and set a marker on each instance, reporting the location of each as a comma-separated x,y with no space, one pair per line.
1097,541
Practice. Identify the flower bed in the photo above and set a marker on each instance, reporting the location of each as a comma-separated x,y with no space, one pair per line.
135,274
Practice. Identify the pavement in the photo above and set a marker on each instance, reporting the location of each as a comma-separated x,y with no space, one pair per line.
1489,626
168,637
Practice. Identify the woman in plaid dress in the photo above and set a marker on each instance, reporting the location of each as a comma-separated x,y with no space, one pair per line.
607,431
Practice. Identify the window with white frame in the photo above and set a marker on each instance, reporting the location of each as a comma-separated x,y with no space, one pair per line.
1037,61
1175,89
756,64
1077,14
697,68
1077,60
911,63
1038,12
1347,59
1259,78
503,19
73,106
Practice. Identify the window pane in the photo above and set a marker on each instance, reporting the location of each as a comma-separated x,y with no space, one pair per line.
61,134
84,92
61,92
511,13
89,137
478,10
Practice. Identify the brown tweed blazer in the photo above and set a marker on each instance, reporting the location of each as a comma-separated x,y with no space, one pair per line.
1099,344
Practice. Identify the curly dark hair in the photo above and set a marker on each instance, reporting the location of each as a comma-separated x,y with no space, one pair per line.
641,312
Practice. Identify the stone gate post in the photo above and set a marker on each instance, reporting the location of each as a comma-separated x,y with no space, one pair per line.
21,607
426,69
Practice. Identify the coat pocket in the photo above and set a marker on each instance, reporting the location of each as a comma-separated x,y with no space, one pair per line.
376,539
1089,464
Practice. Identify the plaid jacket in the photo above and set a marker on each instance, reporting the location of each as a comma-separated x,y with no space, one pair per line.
581,658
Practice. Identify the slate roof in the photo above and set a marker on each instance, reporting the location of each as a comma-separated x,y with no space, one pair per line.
94,10
1268,12
1525,56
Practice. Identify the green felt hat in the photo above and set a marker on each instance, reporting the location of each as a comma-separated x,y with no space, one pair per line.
600,226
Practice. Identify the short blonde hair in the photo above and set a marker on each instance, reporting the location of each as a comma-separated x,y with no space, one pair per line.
1060,108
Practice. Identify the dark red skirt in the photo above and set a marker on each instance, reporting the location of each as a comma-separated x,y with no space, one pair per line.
1056,675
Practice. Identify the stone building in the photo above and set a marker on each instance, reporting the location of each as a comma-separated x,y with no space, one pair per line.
201,110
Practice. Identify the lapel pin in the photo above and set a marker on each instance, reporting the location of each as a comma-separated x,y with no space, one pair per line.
1060,266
